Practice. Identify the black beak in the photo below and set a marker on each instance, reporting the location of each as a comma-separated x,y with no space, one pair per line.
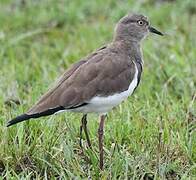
153,30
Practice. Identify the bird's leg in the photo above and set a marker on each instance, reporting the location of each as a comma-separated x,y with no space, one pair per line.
100,135
81,127
84,126
84,122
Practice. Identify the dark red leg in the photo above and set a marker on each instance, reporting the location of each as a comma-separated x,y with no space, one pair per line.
100,135
86,130
84,126
81,128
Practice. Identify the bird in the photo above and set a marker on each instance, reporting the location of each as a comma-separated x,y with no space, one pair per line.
100,81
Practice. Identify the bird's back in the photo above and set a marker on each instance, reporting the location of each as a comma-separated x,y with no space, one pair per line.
107,71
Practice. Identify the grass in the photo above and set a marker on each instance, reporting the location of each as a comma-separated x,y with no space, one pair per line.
150,136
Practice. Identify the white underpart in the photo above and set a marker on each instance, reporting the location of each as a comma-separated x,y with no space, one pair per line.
102,105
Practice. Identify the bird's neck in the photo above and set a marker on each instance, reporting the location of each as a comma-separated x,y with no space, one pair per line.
132,48
131,44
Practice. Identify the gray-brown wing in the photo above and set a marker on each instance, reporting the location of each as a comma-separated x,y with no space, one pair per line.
105,77
45,101
103,74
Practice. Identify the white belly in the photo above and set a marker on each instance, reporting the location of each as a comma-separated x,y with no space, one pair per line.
102,105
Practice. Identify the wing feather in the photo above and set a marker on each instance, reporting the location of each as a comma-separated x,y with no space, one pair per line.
103,73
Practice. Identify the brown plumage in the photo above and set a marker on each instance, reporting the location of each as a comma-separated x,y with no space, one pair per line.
108,71
100,81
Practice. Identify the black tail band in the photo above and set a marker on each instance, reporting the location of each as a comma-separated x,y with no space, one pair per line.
25,117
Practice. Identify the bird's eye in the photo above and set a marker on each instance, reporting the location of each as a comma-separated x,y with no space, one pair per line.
140,22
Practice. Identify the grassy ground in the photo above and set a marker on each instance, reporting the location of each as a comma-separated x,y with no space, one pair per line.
152,135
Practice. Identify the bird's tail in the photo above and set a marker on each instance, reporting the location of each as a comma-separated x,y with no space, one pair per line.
18,119
25,117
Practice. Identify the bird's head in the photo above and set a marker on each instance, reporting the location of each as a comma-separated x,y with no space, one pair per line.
134,27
